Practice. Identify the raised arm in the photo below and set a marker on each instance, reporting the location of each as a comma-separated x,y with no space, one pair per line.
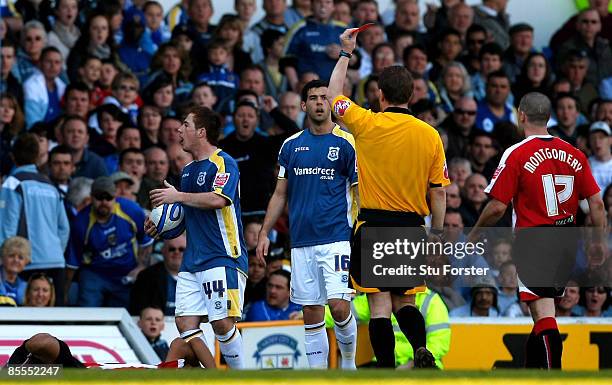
348,41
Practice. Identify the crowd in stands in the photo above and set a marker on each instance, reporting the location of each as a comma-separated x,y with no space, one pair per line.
92,94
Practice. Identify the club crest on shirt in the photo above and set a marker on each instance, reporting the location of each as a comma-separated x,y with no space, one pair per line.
333,153
221,179
201,179
341,106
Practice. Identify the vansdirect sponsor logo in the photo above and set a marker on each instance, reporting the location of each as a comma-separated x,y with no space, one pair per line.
325,173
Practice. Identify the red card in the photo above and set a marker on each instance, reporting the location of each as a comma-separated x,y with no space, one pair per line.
362,28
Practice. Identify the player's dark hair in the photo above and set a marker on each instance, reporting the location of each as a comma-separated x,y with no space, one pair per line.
282,273
204,117
536,107
25,149
317,83
395,82
60,149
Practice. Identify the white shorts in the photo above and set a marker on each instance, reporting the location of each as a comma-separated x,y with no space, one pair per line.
320,272
217,292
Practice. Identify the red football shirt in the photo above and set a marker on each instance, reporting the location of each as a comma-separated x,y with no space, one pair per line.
545,178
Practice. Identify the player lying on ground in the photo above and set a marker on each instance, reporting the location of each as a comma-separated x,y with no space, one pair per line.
43,348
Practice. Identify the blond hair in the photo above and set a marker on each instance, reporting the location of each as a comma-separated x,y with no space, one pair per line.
18,245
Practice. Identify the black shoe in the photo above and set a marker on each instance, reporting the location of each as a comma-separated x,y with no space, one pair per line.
424,359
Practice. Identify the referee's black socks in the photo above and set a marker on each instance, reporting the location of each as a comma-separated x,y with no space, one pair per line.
412,324
544,345
383,342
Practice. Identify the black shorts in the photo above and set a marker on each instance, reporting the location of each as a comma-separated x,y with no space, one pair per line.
21,356
382,218
544,264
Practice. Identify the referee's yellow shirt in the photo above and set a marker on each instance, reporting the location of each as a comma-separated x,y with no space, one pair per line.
399,157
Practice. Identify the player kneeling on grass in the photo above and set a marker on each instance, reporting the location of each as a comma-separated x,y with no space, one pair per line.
212,276
318,177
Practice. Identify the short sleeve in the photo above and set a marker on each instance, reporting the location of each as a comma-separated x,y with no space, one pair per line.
283,161
351,163
355,118
438,174
226,181
587,184
504,183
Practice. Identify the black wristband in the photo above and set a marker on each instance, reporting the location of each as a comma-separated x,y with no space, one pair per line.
345,54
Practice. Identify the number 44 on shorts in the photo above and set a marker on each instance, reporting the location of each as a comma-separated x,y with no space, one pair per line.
214,287
342,262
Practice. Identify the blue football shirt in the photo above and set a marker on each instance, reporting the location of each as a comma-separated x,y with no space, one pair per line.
320,170
214,237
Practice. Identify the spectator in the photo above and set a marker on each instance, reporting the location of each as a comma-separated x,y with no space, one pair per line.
75,135
507,296
79,193
198,22
368,40
501,252
459,125
124,95
255,289
460,18
108,72
494,107
449,48
251,232
274,19
476,37
44,90
151,323
491,14
273,43
245,9
9,83
231,31
40,291
104,249
481,153
299,10
365,11
61,168
342,12
110,119
16,254
569,28
96,40
135,49
521,45
160,94
178,159
459,169
594,302
172,62
156,163
12,120
156,285
76,100
574,68
407,19
203,95
290,105
31,207
587,39
33,41
90,72
483,302
132,162
436,18
276,306
604,111
490,59
124,184
156,30
40,131
149,122
320,30
567,111
474,199
566,306
453,196
443,283
535,76
454,85
64,33
218,75
601,158
256,155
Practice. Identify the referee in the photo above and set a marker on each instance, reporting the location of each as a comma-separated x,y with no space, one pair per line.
400,159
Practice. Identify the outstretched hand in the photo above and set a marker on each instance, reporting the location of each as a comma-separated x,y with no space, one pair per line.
348,39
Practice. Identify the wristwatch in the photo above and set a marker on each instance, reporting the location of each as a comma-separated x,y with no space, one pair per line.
345,54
